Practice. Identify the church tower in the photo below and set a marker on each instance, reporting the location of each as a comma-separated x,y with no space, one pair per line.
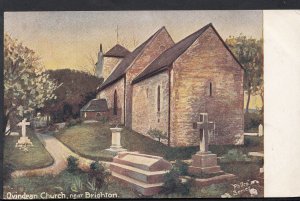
99,64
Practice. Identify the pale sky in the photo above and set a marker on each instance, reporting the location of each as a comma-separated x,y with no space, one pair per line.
65,39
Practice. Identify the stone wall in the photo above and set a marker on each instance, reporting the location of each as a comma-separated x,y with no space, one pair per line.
108,94
109,64
159,43
145,114
207,61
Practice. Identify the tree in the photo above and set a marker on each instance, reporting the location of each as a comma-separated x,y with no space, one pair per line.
75,92
91,60
26,84
249,52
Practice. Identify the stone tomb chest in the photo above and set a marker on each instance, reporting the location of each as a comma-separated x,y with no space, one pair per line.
144,173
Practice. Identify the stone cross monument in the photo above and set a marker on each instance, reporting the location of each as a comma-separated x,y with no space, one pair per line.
204,127
204,165
204,161
24,140
23,124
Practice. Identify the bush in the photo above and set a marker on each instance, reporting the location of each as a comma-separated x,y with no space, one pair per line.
253,141
173,184
72,122
155,133
78,121
103,120
182,167
98,174
252,121
235,155
72,164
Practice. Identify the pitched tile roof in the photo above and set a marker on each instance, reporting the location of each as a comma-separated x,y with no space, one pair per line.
164,60
117,51
120,70
95,105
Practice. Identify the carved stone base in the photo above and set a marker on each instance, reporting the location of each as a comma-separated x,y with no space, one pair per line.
214,180
204,163
116,149
23,141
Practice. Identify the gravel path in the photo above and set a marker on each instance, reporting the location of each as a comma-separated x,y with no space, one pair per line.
60,153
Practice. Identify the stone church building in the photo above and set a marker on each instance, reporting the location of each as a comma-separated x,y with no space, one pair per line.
166,85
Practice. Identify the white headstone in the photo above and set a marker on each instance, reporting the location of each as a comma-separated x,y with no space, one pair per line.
23,124
24,140
260,130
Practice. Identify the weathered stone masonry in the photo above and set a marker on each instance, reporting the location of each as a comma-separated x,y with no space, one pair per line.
108,94
159,43
145,114
196,75
207,61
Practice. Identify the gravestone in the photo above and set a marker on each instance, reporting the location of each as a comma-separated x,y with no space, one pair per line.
144,173
24,141
204,163
116,140
260,130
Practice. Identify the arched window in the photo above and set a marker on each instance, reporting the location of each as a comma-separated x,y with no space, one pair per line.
210,89
158,98
115,103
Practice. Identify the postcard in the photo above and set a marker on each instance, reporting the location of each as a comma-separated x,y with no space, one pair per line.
133,104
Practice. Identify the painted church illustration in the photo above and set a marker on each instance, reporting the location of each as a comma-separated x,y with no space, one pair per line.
166,86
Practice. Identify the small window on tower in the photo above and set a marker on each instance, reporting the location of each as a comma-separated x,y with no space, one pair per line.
210,89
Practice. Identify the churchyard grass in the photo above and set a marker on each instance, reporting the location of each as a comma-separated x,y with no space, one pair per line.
74,183
251,143
36,157
88,140
91,140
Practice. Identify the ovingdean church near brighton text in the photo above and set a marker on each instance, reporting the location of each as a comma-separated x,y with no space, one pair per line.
166,86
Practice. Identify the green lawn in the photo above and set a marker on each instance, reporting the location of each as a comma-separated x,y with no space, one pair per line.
77,183
36,157
91,140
